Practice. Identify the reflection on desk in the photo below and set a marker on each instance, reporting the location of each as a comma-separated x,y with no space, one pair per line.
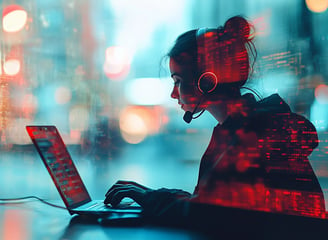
34,220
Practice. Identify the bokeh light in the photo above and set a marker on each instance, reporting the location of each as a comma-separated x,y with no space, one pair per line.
117,62
63,95
75,136
317,5
321,93
138,122
11,67
133,126
14,18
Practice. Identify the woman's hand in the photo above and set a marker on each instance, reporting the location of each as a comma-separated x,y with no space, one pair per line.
122,189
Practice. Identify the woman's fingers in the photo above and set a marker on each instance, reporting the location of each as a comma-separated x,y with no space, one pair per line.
112,191
116,185
130,193
126,183
118,196
119,191
132,183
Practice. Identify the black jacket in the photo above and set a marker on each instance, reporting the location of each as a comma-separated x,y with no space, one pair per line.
257,159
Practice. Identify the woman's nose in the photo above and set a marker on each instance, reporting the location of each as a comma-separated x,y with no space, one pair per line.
175,93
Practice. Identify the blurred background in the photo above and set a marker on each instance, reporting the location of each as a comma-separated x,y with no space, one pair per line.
97,70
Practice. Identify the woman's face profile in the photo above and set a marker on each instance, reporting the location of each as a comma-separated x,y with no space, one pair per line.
184,85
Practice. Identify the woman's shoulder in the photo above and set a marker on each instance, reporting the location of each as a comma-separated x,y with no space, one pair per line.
259,114
273,110
272,118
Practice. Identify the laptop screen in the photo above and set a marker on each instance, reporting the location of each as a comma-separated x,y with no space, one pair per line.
59,164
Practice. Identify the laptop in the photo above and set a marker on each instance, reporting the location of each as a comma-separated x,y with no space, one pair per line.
66,177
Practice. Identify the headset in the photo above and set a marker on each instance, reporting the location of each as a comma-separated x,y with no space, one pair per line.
207,66
207,40
208,79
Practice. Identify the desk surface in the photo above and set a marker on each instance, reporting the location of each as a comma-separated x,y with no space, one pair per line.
24,174
35,220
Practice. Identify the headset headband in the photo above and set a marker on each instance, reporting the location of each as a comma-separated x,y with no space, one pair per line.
208,80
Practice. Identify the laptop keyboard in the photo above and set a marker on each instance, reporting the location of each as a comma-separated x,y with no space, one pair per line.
99,206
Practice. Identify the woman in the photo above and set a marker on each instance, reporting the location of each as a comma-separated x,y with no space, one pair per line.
258,154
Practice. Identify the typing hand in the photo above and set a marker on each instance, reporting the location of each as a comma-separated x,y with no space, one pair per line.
123,189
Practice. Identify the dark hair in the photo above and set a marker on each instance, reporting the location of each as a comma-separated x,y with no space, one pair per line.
232,53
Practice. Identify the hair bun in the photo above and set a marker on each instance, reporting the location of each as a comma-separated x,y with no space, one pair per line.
239,28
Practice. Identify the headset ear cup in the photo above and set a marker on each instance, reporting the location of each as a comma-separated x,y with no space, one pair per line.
207,82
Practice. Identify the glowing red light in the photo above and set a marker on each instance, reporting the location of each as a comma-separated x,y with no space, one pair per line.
14,18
